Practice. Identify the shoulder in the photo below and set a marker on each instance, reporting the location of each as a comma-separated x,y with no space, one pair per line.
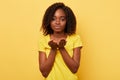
74,36
42,37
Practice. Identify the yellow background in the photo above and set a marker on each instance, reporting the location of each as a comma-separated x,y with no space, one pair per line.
98,24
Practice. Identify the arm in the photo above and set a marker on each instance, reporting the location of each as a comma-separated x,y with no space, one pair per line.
71,62
45,64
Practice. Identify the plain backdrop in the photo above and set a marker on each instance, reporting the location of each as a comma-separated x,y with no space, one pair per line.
98,24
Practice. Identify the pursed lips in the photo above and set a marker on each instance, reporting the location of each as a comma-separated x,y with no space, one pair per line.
57,27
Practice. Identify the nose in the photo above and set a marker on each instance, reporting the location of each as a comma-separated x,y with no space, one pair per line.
57,21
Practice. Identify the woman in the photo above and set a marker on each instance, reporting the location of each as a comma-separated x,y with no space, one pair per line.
59,46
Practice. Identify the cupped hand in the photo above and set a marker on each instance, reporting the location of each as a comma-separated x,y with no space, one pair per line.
61,44
52,44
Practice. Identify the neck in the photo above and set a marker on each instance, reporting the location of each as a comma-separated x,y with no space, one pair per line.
59,35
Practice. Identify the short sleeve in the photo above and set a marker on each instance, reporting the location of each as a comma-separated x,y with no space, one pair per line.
41,43
77,42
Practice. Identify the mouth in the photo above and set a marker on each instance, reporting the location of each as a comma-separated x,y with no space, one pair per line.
57,27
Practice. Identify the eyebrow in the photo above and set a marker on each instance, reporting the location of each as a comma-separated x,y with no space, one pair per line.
61,16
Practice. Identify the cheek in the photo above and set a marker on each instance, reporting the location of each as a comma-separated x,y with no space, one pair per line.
51,24
63,23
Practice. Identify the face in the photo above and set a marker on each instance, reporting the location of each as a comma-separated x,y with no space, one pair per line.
58,22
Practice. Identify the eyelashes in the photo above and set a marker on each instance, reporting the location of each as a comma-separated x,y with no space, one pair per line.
60,19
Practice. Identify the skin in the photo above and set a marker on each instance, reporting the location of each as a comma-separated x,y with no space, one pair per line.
58,41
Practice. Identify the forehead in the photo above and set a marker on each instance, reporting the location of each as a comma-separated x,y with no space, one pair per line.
59,12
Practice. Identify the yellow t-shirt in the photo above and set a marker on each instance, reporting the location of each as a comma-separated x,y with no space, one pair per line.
59,70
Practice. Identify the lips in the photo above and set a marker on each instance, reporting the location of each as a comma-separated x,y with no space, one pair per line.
57,27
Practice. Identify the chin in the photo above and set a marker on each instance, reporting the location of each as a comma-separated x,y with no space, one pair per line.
58,31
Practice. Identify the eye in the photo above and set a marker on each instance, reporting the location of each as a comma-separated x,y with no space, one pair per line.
53,18
63,19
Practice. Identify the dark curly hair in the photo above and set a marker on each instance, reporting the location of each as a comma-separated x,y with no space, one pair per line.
48,16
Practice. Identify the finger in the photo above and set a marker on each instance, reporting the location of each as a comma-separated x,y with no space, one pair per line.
62,40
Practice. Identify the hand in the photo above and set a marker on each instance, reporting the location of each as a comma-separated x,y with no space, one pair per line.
52,44
62,43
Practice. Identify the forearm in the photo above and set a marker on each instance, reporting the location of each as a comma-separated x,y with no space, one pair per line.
47,65
69,61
